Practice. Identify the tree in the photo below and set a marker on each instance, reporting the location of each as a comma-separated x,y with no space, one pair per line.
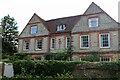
9,34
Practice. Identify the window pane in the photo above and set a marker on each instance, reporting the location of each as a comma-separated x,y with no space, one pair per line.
105,58
53,43
93,22
105,40
67,42
33,29
61,27
39,44
26,44
84,41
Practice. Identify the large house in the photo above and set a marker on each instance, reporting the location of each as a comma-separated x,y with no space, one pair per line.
93,31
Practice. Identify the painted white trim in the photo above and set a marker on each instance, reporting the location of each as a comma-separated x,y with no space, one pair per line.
108,40
80,59
36,29
36,44
59,27
91,19
66,42
81,43
51,44
24,45
105,57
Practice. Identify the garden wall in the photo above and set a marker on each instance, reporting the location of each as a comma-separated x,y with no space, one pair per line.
1,68
97,70
76,69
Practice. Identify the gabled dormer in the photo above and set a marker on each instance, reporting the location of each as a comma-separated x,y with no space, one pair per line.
92,9
94,19
35,18
35,27
60,27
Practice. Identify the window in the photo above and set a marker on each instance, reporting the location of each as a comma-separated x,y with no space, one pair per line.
26,44
38,44
68,41
33,29
52,43
105,40
105,59
84,41
93,22
61,27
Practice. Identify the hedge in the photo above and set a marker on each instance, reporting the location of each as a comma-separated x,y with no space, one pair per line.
43,68
57,56
52,68
57,69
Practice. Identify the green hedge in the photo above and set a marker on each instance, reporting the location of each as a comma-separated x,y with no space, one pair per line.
43,68
57,69
16,56
57,56
94,57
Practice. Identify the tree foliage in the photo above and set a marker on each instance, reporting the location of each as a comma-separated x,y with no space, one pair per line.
9,34
65,55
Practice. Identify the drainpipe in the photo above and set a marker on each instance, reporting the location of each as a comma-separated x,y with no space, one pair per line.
70,46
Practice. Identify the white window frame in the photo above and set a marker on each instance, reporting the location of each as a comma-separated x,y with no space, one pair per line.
37,44
105,61
80,59
100,41
93,19
67,42
52,43
24,45
81,42
61,27
32,32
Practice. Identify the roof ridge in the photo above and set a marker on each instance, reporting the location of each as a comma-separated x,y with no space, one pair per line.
63,18
93,3
71,16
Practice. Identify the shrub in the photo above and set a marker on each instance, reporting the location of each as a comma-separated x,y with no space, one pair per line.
65,55
56,56
93,58
66,76
17,56
112,68
43,68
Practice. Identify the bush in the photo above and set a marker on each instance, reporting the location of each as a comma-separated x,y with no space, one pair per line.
56,56
43,68
93,58
111,67
17,56
31,77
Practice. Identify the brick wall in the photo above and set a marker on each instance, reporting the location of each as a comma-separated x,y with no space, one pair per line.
1,69
89,70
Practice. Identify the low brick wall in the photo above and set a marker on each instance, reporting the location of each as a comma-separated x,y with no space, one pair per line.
1,68
90,70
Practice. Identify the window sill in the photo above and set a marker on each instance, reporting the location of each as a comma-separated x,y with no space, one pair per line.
25,49
82,48
38,49
93,27
105,47
33,34
52,49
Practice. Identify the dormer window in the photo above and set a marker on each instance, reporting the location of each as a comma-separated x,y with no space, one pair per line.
93,22
61,27
33,29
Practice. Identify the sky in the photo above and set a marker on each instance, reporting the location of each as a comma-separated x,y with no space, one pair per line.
22,10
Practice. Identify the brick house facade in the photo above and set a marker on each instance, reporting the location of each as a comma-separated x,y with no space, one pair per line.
93,31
